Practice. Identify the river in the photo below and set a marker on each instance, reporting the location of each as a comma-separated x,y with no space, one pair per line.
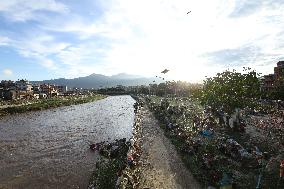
49,149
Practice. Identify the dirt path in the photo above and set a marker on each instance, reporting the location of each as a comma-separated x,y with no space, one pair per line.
162,167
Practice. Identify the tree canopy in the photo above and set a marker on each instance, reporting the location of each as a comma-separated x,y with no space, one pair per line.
231,89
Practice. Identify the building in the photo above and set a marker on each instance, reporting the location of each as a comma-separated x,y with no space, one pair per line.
36,96
268,82
24,85
24,89
49,90
275,80
42,95
36,89
61,89
279,74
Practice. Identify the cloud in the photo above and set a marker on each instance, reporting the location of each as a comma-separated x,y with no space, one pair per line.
40,48
23,10
246,8
144,37
235,57
43,44
76,25
4,41
7,72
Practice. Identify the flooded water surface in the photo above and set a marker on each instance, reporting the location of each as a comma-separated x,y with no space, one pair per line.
49,149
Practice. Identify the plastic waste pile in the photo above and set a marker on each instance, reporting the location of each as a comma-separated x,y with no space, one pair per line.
109,150
129,177
121,156
207,144
112,161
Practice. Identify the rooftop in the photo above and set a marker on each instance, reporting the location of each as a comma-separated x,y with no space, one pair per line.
280,64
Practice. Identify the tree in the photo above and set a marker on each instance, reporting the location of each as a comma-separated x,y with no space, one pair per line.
230,90
161,89
195,90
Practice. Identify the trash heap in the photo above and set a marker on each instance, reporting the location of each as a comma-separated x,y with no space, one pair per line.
130,176
112,161
119,166
110,150
213,154
271,125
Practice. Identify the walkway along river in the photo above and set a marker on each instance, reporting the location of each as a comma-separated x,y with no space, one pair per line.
49,149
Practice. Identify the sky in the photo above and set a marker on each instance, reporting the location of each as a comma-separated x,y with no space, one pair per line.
47,39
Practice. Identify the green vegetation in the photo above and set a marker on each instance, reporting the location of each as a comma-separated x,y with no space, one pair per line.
49,103
109,167
193,121
113,91
105,175
118,166
170,88
210,157
230,90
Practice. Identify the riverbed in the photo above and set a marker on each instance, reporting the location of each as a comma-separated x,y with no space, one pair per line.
50,148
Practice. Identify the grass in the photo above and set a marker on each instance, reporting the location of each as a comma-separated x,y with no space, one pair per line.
50,103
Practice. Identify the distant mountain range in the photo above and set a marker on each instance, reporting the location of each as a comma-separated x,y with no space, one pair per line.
101,81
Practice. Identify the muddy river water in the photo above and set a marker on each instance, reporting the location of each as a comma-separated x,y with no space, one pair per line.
49,149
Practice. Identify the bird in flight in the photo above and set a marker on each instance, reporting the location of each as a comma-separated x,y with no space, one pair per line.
165,71
188,12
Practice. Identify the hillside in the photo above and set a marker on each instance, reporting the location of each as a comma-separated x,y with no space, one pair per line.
100,81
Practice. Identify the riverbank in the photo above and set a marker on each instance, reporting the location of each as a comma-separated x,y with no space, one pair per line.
123,169
43,104
151,161
162,166
217,155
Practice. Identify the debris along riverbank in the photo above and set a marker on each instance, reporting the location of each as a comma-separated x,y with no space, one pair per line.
49,103
110,165
216,155
150,162
119,163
